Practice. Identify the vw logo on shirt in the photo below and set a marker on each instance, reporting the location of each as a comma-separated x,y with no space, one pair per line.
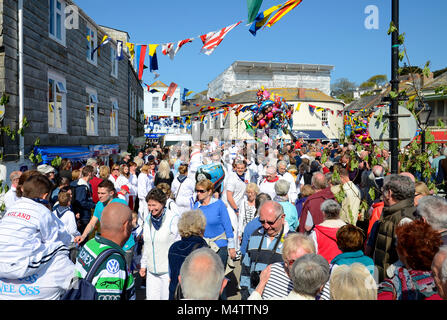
113,266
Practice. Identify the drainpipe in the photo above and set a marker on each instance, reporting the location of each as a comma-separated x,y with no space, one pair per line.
21,104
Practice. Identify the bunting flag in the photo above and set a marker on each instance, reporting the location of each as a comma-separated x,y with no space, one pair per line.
168,48
119,50
212,39
140,54
181,44
319,109
298,107
311,109
105,40
131,47
153,57
262,18
148,87
186,92
253,8
170,91
288,6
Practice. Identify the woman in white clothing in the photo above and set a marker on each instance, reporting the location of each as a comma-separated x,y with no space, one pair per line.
160,231
183,189
114,174
247,211
123,178
133,185
144,186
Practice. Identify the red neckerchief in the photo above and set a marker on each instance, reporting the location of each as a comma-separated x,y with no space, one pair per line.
274,179
115,177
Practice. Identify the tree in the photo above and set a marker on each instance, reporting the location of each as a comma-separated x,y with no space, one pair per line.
342,89
374,82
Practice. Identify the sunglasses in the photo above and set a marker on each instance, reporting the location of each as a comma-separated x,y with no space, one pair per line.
270,223
200,191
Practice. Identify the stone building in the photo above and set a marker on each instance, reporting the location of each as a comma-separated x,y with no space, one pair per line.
70,96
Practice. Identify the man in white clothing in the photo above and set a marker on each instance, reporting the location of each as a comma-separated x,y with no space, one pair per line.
235,190
11,196
282,172
267,184
34,261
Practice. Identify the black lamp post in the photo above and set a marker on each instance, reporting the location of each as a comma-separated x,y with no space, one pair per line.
423,112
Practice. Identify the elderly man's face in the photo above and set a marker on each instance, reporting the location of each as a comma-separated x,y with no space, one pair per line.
282,169
270,220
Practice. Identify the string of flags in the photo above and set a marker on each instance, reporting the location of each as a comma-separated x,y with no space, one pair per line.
209,40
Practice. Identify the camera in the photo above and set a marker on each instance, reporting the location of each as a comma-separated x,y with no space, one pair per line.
254,278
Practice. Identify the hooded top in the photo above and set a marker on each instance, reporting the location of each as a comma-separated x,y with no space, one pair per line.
312,205
327,242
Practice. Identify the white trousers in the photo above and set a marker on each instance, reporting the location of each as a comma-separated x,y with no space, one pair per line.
234,218
157,286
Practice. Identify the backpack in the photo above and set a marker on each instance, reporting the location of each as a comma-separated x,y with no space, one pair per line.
83,289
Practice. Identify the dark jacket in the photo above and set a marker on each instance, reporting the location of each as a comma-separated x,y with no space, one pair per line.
299,205
385,252
82,202
159,180
312,205
177,254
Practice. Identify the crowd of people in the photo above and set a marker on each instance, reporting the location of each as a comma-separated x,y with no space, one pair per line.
301,219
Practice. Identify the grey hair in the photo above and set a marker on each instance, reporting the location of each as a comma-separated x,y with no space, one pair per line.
434,210
443,249
401,186
377,170
319,180
281,162
309,273
330,208
199,281
282,187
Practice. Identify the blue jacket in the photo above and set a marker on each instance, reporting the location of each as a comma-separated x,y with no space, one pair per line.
349,258
251,227
177,254
299,205
82,202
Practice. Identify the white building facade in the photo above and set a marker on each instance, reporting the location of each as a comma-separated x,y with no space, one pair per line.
242,76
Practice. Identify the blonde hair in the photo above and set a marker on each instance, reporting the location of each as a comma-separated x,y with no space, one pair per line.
165,188
352,282
104,172
191,223
145,168
252,187
307,190
164,169
206,184
294,241
421,188
75,174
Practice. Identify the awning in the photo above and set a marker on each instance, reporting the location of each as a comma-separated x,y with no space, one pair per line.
309,134
73,153
154,135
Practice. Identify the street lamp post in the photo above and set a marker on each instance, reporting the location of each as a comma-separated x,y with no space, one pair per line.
423,112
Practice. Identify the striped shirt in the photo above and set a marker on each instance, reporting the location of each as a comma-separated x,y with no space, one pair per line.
110,277
279,284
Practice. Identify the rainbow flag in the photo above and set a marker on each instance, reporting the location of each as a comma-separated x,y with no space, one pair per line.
262,18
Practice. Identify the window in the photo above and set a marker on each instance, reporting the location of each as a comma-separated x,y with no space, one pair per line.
155,102
324,121
440,108
57,20
114,118
91,44
57,104
114,62
167,102
91,115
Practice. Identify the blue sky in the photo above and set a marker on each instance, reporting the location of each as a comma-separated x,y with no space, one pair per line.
316,32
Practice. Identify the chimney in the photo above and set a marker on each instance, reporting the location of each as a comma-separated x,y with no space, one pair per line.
301,93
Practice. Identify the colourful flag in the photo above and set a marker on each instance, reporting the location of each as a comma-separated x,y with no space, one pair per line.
262,18
212,39
154,90
105,40
119,50
131,47
168,48
253,8
140,54
185,93
153,57
311,109
181,44
170,91
288,6
298,107
148,87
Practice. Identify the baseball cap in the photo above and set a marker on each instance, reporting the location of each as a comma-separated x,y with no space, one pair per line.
45,169
124,187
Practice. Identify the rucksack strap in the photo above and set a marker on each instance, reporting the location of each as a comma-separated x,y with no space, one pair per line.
99,260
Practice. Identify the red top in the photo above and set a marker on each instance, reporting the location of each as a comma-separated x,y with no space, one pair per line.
94,183
327,245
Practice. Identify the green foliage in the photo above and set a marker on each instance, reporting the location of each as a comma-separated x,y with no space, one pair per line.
392,28
56,162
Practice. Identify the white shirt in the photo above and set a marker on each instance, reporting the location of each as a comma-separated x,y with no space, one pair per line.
133,184
293,193
10,198
237,186
69,221
144,185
